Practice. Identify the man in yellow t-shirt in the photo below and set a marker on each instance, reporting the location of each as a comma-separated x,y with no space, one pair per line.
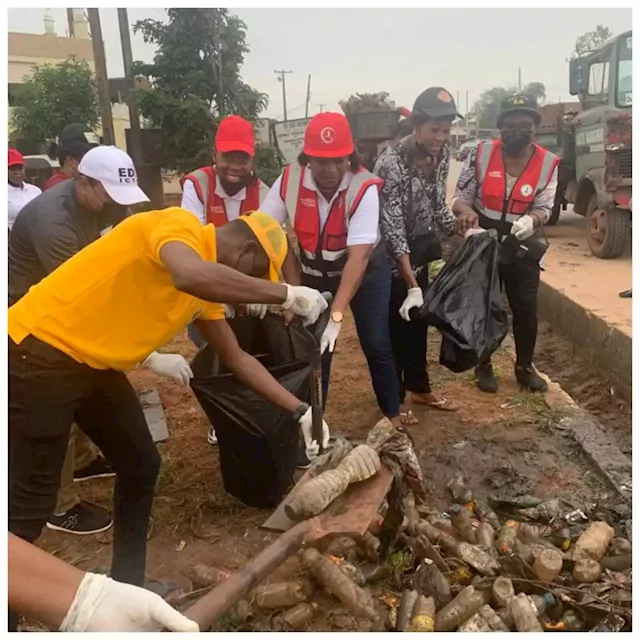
76,332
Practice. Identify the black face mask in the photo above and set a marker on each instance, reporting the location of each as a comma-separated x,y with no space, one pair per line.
515,142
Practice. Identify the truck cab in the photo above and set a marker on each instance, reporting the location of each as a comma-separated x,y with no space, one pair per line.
596,154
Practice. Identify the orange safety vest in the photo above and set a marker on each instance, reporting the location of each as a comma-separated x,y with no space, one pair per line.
323,251
204,181
497,209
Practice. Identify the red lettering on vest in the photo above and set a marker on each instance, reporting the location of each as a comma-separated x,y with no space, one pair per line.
493,189
216,209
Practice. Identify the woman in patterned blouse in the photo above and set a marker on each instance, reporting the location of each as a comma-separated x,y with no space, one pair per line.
413,218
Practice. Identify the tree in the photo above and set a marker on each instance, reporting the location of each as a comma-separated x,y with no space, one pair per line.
487,107
590,41
536,90
52,98
195,80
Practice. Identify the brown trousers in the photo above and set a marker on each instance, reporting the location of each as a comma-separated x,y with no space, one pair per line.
80,452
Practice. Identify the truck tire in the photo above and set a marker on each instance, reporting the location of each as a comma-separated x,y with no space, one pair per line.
607,230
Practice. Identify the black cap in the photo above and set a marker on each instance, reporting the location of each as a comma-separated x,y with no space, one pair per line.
519,103
73,141
435,102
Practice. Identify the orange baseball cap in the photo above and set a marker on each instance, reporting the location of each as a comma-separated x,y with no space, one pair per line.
328,135
271,237
235,134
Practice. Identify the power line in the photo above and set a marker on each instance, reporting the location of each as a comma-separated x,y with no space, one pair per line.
282,74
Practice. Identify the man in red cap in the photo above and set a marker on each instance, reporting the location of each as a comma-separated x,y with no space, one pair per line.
20,192
332,204
220,193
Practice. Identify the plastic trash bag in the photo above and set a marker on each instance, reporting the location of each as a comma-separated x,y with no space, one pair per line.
258,442
464,303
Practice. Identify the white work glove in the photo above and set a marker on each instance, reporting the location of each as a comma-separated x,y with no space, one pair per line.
414,300
306,302
329,336
256,310
311,446
170,365
523,227
474,232
229,312
102,604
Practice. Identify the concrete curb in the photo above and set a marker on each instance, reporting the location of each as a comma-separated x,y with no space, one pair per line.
605,345
613,465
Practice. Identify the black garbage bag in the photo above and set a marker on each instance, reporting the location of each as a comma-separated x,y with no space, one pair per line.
258,442
464,303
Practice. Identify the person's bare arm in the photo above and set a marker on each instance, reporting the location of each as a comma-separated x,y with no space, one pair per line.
290,266
245,367
40,585
406,272
352,275
216,282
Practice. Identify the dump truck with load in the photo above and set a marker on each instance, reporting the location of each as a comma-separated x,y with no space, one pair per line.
595,173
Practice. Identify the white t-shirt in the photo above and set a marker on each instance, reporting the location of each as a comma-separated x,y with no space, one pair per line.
18,198
363,225
191,202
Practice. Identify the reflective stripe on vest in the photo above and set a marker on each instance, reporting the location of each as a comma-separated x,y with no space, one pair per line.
322,254
204,182
489,161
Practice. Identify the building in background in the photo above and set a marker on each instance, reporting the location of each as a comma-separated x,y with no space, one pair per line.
29,50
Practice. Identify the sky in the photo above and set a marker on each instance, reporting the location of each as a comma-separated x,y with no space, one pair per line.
400,51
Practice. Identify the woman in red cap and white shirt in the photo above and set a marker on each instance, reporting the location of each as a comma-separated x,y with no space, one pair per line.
332,205
20,192
220,193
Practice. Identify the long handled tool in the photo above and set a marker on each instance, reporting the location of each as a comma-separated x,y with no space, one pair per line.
350,514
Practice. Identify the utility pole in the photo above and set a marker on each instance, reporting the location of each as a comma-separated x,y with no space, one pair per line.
102,79
306,108
519,79
127,58
466,113
322,106
281,78
70,23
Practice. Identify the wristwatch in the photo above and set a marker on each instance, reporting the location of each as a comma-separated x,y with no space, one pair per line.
300,411
337,316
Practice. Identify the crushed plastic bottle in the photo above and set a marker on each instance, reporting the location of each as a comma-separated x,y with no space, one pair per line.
405,610
462,525
424,613
593,543
548,565
460,609
297,618
485,536
525,614
480,560
502,591
507,538
611,624
570,621
429,581
459,492
485,620
280,595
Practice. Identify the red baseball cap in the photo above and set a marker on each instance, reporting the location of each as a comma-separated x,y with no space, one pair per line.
328,135
235,134
15,158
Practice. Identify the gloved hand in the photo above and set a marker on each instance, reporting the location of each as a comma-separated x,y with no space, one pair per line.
306,302
229,312
170,365
523,227
311,446
413,300
102,604
329,336
474,232
256,310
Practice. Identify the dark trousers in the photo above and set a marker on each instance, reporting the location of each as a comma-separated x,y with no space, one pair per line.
47,391
408,340
195,335
370,308
521,281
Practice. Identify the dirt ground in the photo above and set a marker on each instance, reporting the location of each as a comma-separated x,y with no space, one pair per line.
194,520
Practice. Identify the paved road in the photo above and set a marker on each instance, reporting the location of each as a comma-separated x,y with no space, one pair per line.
571,268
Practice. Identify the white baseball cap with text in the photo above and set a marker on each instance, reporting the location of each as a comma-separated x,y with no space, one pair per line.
114,170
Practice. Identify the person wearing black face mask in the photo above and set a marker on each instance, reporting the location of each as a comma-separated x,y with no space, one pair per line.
510,185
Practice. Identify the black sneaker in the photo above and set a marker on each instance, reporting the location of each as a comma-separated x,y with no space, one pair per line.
84,519
529,379
99,468
485,379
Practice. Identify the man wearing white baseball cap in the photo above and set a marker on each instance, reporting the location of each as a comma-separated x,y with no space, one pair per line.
113,169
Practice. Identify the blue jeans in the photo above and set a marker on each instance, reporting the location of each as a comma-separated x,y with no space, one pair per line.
370,308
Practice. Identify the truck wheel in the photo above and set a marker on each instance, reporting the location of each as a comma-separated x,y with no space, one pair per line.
607,231
555,214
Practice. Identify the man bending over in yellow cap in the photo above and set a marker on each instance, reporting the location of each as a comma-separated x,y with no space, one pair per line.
76,332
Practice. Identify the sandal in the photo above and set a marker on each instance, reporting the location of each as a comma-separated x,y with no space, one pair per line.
408,418
442,405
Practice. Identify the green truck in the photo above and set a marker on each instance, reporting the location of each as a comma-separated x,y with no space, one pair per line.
595,145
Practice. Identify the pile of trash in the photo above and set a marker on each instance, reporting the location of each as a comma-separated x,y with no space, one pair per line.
538,566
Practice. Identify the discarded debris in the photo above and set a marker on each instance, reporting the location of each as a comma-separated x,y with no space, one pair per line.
279,595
